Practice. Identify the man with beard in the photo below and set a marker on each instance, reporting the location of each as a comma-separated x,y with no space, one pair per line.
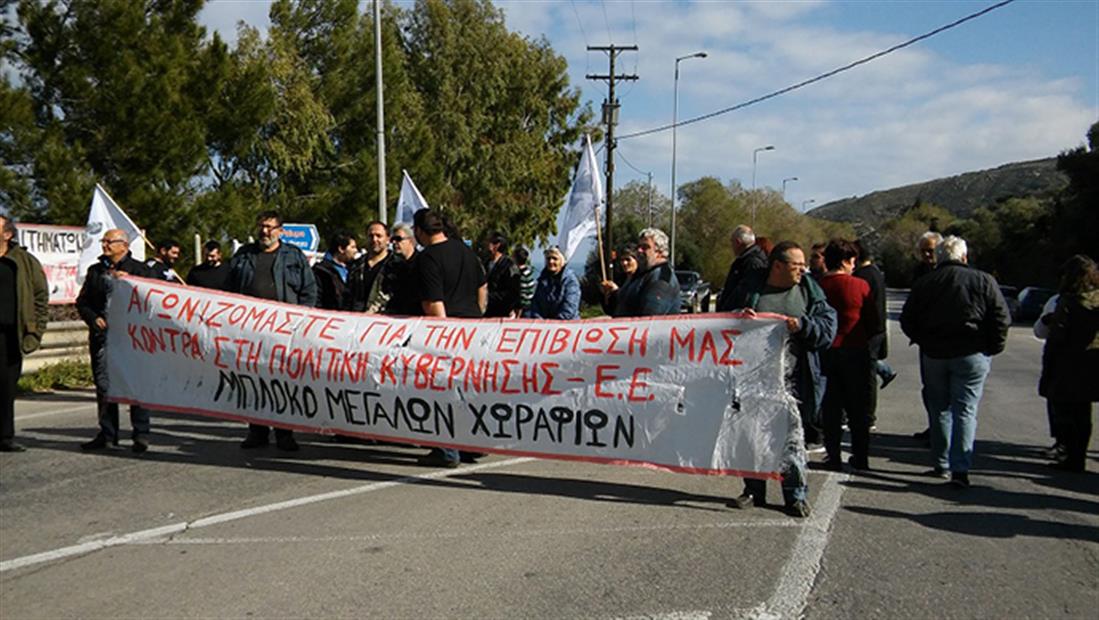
167,253
270,269
213,272
365,292
654,288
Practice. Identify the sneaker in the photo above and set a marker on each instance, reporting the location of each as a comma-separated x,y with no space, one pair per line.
798,509
831,465
746,500
938,472
10,446
254,441
435,458
960,480
814,448
469,457
287,444
140,445
98,443
1057,452
887,379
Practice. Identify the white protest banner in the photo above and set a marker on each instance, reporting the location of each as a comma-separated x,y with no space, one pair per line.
58,248
577,220
410,200
103,215
702,394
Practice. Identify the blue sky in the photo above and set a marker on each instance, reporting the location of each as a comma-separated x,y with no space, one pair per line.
1021,82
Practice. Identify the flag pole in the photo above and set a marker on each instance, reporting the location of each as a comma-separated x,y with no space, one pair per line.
599,239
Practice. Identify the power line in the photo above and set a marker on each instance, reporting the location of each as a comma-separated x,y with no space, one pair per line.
822,76
628,163
610,37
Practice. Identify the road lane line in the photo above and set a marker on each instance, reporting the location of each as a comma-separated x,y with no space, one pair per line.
176,528
800,571
247,540
51,412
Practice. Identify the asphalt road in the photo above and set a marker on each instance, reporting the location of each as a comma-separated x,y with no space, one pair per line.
198,528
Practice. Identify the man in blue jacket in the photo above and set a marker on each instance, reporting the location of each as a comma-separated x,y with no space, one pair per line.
783,289
270,269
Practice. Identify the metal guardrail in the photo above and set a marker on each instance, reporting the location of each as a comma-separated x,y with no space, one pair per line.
64,340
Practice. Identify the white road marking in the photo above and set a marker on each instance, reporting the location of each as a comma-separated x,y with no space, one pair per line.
800,571
51,412
248,540
176,528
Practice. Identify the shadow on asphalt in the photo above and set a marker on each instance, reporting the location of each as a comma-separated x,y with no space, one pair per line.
993,460
191,440
65,396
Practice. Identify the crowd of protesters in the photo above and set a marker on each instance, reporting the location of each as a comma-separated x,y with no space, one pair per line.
831,298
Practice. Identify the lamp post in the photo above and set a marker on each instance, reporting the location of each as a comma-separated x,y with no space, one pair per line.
675,119
805,203
380,110
784,185
755,153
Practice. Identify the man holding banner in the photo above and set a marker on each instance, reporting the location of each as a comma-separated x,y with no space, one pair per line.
269,269
92,306
811,323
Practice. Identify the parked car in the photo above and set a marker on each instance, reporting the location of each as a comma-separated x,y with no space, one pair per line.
1011,297
1031,301
694,292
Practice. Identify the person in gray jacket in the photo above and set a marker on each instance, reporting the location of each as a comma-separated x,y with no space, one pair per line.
270,269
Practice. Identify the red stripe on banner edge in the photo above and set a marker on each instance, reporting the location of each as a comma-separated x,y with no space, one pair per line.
602,319
541,455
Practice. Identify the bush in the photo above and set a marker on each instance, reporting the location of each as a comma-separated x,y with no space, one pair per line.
62,375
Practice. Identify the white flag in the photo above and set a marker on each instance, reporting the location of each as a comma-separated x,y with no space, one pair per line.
104,215
578,217
410,201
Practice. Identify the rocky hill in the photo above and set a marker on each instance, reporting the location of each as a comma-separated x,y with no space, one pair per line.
960,194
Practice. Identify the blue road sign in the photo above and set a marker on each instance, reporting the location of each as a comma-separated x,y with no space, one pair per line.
303,236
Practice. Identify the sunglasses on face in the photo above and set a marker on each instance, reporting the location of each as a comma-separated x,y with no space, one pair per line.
397,239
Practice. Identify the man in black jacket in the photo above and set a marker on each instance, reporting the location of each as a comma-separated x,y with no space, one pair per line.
332,272
749,258
957,315
213,272
504,282
91,303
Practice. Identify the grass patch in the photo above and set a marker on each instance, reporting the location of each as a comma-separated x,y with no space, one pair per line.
68,374
591,311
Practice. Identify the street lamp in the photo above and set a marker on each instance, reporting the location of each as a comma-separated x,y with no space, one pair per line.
675,119
784,185
769,147
805,203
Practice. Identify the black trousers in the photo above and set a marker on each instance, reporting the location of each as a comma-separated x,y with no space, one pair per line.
11,366
1073,423
850,374
259,430
108,411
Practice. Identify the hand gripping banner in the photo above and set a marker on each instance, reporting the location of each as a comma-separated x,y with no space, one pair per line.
698,394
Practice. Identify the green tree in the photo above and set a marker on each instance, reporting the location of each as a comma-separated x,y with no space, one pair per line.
1077,213
636,197
501,109
120,90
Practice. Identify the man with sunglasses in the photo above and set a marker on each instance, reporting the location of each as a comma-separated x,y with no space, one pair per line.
399,278
91,304
270,269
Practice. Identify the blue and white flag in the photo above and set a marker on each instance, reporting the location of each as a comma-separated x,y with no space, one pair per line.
581,213
410,201
103,215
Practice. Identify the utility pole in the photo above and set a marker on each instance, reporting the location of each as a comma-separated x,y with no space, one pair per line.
380,109
610,119
650,200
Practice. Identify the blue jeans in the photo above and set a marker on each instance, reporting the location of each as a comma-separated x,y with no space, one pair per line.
952,390
795,480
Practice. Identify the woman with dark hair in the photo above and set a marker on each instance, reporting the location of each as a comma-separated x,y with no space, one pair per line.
626,259
1070,359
